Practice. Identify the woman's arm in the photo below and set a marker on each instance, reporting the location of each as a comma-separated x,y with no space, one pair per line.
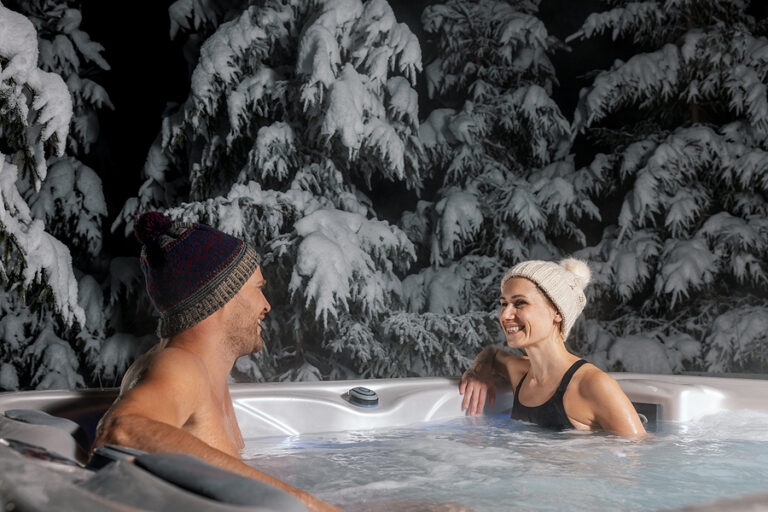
479,381
611,408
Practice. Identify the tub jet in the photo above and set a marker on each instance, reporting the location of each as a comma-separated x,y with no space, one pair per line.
362,397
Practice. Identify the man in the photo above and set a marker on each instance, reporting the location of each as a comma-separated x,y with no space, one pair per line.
208,288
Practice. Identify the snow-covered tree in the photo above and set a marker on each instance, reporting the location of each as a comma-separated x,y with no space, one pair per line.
71,203
201,17
498,151
501,151
296,109
52,325
682,130
35,268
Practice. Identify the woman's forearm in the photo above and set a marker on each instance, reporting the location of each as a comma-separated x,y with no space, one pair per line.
486,358
495,362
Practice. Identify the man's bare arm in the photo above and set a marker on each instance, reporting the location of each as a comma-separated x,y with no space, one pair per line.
154,436
150,416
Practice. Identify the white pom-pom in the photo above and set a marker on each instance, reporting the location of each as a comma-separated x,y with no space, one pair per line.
579,268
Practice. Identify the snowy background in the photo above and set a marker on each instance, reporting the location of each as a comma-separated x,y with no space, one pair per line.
389,161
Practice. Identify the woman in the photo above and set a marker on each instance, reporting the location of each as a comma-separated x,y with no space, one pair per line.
540,301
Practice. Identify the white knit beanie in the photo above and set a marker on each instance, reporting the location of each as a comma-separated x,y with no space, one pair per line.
563,283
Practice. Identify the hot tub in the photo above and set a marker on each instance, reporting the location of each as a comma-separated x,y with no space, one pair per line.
292,429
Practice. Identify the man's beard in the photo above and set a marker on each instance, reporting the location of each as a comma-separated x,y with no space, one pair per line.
243,335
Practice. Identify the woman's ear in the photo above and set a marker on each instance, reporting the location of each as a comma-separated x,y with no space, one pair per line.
558,318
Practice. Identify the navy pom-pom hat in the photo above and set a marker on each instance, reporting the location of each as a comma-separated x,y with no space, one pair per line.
191,269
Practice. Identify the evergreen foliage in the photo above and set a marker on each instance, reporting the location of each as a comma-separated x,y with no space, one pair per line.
683,133
508,188
50,320
299,110
498,152
295,110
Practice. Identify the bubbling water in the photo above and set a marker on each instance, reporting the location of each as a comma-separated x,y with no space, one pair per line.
492,463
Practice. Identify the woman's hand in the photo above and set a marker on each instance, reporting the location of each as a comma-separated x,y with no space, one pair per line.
477,384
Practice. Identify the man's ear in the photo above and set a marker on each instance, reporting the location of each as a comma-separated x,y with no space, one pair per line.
558,318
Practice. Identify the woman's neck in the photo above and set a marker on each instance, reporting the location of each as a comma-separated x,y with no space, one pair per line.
549,359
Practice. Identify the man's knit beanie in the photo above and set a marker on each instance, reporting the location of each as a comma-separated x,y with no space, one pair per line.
191,270
563,283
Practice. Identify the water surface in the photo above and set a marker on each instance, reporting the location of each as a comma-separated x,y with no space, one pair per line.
495,463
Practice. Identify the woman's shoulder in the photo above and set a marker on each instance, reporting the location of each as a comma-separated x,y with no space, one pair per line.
596,385
514,364
605,404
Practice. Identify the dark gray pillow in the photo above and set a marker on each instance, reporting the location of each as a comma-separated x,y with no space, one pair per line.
199,477
35,417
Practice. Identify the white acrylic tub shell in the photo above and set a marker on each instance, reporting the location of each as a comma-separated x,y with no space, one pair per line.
308,407
271,409
292,408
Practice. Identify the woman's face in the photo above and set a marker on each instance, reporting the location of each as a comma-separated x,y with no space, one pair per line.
526,316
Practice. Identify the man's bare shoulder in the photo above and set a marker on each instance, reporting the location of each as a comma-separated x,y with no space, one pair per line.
164,363
166,384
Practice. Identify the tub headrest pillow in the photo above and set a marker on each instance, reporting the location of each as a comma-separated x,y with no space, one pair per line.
106,453
201,478
35,417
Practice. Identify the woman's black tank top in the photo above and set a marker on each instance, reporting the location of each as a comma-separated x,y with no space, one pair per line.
550,414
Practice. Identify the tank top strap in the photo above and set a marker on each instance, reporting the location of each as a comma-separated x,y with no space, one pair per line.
520,384
569,375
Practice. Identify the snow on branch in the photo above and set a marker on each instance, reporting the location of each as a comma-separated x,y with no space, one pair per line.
501,44
253,95
218,64
344,258
274,154
457,288
668,176
189,15
708,66
654,21
640,18
686,266
43,259
530,110
249,212
694,189
66,50
643,79
72,197
337,75
54,362
379,44
738,337
432,344
459,219
20,78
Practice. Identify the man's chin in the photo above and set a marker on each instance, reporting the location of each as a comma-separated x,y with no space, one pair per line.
258,345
